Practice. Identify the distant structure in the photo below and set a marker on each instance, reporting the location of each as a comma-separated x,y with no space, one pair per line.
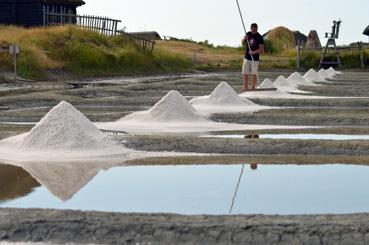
30,13
313,40
281,37
148,35
283,32
332,36
366,31
300,38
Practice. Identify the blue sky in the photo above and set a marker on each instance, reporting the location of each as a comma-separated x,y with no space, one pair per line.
218,21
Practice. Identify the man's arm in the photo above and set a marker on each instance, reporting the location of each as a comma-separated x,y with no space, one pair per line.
258,51
244,40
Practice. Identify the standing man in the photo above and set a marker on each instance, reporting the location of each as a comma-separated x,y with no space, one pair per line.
257,47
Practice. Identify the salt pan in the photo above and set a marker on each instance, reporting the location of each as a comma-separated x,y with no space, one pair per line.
174,114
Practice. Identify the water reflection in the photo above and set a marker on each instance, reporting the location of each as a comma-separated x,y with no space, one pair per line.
15,182
254,167
194,189
63,180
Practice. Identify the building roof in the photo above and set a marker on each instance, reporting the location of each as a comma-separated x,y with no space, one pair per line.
300,37
67,2
366,31
149,35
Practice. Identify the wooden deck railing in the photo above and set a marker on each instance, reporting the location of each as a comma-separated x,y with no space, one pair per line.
102,25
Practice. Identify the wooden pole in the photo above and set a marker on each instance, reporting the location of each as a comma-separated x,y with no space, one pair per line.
298,54
360,46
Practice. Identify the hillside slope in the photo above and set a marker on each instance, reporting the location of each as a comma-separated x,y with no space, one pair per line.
75,52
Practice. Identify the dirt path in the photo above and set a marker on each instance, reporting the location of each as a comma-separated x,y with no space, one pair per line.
111,228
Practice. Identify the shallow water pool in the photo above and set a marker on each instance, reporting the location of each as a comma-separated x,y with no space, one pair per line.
212,189
296,136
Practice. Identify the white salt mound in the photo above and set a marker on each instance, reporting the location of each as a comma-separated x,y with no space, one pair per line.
65,128
222,95
324,74
281,81
332,71
173,107
266,84
298,79
312,75
287,86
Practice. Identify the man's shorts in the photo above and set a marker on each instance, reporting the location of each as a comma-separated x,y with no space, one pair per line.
250,67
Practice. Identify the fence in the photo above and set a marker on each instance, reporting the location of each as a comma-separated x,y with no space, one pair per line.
13,50
340,50
144,44
102,25
357,48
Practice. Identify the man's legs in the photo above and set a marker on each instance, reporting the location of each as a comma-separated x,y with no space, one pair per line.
246,70
254,68
245,82
254,79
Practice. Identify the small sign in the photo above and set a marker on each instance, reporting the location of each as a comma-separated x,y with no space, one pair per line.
14,49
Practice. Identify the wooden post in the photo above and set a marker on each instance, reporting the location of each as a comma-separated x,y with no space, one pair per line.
360,47
298,54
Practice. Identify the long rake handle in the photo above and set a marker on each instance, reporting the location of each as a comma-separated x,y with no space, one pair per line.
247,41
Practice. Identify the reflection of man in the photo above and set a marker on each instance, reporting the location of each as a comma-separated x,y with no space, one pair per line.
250,67
253,166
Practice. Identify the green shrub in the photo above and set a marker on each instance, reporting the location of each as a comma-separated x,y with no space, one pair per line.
310,59
269,47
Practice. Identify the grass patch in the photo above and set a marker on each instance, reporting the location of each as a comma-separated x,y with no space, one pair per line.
84,53
348,60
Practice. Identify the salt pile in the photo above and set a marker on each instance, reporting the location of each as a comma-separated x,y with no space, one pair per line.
63,133
281,81
313,76
224,99
174,114
298,79
267,84
324,74
223,94
173,107
65,128
332,71
287,86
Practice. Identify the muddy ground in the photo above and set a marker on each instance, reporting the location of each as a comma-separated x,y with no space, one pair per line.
110,99
110,228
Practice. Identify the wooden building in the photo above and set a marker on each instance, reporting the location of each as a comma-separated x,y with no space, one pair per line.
30,13
148,35
313,41
300,38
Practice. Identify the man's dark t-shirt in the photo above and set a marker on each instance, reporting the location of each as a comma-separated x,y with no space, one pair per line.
255,40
